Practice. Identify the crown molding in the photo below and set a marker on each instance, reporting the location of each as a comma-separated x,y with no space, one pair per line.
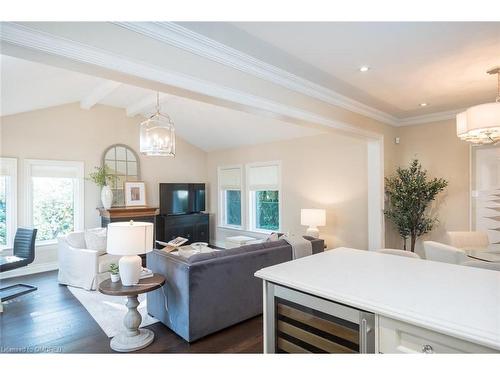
187,40
37,40
431,117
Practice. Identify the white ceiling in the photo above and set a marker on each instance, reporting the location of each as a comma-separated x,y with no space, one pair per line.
441,63
27,86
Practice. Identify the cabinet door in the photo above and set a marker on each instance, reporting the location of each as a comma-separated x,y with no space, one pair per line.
398,337
201,232
173,231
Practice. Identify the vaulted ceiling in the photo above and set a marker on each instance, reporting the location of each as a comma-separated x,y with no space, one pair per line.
442,64
28,86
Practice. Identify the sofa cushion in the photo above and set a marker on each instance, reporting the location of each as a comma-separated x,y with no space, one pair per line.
76,240
95,239
236,250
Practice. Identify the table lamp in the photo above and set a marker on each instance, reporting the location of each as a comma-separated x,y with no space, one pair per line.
313,218
129,239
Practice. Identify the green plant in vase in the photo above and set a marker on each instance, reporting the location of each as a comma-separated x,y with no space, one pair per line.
115,272
103,179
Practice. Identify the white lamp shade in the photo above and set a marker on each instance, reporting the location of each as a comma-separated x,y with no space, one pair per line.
312,217
461,123
129,238
480,124
483,116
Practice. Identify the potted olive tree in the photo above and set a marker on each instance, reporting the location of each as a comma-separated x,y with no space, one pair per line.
409,193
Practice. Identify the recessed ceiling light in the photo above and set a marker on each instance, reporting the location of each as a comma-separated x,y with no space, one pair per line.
423,104
364,69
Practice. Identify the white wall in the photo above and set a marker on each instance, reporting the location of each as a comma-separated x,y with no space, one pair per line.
70,133
326,171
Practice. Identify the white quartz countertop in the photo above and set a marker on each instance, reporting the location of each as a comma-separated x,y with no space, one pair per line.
463,302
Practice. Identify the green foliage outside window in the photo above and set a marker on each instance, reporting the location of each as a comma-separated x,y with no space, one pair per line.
233,207
53,207
267,209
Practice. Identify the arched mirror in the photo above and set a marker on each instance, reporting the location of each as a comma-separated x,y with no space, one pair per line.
123,163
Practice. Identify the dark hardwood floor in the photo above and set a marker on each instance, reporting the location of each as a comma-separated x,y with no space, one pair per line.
52,320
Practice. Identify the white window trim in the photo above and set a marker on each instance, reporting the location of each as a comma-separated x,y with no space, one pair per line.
79,200
250,198
11,208
222,200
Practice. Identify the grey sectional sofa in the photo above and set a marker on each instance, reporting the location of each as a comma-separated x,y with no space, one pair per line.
211,291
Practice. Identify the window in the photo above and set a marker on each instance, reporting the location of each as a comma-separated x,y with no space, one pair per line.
8,201
55,197
267,209
230,196
254,204
233,207
263,185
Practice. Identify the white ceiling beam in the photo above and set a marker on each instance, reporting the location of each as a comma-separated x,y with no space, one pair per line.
98,94
144,105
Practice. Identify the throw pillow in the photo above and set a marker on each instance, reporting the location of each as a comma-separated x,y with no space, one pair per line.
273,237
95,239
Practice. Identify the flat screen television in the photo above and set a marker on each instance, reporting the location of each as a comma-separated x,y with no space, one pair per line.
180,199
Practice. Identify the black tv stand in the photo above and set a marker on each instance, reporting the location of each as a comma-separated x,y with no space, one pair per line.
194,227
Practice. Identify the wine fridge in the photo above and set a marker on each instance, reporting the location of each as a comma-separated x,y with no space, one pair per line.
296,322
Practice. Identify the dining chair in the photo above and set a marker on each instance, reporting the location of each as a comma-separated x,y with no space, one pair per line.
439,252
23,253
468,240
401,253
482,264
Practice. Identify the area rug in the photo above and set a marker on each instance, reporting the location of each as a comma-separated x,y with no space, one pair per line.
109,311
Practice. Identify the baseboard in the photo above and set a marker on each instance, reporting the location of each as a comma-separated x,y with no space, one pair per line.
29,270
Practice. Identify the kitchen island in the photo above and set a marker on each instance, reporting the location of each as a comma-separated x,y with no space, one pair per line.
320,303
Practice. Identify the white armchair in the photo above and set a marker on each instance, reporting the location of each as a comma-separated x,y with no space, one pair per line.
79,266
440,252
468,240
482,264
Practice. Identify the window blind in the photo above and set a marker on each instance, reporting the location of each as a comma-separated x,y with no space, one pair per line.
230,178
8,166
55,170
263,177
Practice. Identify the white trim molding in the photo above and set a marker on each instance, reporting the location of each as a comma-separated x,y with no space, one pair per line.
428,118
37,40
99,92
188,40
8,168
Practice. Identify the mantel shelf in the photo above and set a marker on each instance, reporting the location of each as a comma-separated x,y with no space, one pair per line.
128,212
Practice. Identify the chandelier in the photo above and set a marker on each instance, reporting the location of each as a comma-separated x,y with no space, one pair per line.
481,124
157,134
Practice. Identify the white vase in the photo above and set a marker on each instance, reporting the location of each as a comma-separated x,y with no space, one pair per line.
106,197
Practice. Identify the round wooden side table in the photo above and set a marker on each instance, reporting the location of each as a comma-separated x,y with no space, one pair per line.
133,338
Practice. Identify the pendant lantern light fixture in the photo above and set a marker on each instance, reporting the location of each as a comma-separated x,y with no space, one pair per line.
157,134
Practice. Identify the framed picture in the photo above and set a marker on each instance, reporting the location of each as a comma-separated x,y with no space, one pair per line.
135,194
